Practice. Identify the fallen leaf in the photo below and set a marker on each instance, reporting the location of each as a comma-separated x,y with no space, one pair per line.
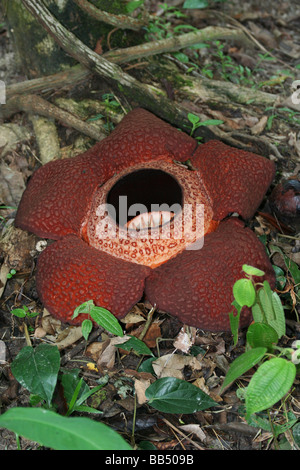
185,339
172,365
74,334
106,359
140,389
194,429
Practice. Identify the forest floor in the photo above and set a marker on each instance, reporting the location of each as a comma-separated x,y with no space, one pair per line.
271,66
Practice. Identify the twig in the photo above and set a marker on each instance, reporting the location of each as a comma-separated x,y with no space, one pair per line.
121,21
182,434
175,43
36,105
148,323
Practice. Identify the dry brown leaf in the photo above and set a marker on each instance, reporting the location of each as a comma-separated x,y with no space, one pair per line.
172,365
106,359
51,325
74,334
185,339
94,350
134,316
141,386
194,429
39,332
200,383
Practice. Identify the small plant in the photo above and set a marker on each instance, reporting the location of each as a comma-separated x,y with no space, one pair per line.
195,121
99,315
277,366
11,273
24,312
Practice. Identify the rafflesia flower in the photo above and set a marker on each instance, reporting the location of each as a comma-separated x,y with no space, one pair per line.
130,218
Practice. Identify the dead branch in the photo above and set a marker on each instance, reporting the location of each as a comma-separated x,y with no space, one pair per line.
34,104
120,21
175,43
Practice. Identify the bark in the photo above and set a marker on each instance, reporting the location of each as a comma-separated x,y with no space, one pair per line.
33,104
119,21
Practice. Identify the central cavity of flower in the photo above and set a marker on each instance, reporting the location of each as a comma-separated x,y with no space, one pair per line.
149,213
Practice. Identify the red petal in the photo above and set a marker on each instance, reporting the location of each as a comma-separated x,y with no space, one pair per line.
235,179
70,272
56,198
196,286
140,137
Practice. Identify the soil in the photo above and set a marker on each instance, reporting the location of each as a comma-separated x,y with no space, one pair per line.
275,26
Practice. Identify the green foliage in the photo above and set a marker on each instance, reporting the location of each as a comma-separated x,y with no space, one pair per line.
272,380
195,121
36,369
201,4
60,432
275,375
133,5
172,395
99,315
11,273
137,345
24,312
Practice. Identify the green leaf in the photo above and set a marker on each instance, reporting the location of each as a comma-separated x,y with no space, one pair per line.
36,369
172,395
86,327
252,271
107,320
269,384
195,4
261,335
234,321
70,382
279,323
136,344
19,312
181,57
60,432
291,265
272,309
193,119
296,434
244,292
83,308
257,313
211,122
133,5
242,364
